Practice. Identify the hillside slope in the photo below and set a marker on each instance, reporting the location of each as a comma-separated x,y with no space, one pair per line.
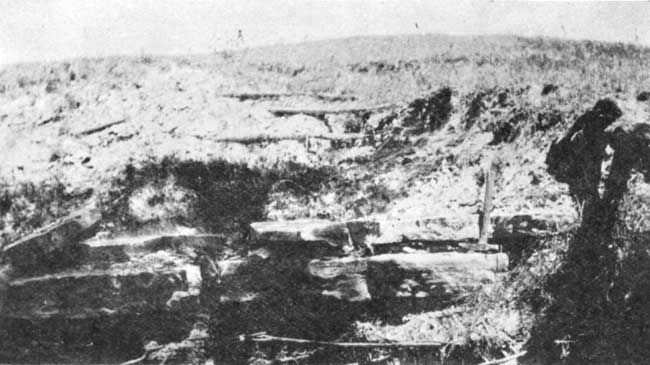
149,140
172,107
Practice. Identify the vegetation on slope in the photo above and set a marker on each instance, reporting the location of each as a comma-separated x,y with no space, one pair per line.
460,100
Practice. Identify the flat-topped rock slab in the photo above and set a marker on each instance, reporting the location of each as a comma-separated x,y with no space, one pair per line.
445,275
441,275
458,228
442,229
534,223
119,289
124,248
304,230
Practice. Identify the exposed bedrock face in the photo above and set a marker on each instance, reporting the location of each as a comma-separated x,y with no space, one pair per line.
86,294
293,289
54,246
436,230
303,278
445,276
69,298
292,280
119,294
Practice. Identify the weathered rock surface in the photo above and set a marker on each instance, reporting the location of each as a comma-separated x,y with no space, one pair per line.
103,277
85,294
108,282
41,247
117,293
308,230
432,229
289,291
452,228
539,223
413,275
125,248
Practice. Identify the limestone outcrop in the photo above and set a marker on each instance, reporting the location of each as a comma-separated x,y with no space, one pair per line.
60,277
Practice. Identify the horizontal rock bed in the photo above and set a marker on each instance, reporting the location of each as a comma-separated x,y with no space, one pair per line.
314,268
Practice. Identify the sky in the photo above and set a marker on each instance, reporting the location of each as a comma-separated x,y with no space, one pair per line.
45,30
